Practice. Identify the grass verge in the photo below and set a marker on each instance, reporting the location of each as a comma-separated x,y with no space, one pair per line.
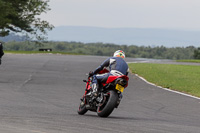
193,61
183,78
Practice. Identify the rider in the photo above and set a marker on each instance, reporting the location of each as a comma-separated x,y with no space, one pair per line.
1,51
117,67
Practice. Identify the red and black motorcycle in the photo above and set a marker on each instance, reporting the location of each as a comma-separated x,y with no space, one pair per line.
109,96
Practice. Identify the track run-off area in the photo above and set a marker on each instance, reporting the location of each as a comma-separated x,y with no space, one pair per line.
40,93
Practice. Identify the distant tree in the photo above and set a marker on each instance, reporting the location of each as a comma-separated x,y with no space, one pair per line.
22,16
99,52
60,47
197,53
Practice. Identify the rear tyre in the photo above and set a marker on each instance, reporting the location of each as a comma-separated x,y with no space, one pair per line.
110,102
82,108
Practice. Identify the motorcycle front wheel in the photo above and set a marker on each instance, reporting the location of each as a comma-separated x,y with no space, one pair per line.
108,104
82,108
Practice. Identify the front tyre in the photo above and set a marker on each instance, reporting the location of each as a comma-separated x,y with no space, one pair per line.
82,108
108,105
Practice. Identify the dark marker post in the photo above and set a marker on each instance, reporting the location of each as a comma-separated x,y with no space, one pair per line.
1,51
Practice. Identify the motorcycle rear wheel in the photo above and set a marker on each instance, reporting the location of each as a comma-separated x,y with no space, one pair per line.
108,105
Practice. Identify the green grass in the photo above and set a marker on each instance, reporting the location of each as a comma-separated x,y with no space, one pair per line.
193,61
39,52
183,78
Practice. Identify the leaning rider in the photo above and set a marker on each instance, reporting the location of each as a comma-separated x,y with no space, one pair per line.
116,65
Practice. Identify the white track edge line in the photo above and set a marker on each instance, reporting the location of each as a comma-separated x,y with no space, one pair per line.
167,88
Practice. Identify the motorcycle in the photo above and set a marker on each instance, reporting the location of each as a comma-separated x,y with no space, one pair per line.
108,98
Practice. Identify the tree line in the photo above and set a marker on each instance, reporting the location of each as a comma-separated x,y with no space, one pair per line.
101,49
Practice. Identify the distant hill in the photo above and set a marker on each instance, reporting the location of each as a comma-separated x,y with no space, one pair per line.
127,36
13,37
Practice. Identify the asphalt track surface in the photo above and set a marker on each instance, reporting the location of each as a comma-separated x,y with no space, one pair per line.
40,94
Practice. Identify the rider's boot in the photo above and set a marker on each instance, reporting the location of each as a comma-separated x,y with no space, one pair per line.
94,89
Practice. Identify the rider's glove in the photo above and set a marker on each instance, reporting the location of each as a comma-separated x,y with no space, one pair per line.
91,73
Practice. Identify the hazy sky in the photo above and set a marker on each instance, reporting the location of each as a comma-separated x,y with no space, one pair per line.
172,14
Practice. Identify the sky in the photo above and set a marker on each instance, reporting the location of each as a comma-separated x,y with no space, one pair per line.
165,14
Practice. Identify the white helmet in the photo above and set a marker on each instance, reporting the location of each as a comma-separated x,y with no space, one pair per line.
119,53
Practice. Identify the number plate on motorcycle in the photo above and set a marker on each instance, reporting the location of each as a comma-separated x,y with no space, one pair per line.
119,88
